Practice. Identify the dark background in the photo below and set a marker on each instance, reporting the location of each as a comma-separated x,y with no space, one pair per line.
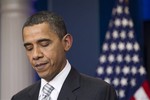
87,21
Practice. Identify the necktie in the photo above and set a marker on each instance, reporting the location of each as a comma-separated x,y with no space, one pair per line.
47,89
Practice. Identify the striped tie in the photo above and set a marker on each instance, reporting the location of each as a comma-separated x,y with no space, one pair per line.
47,89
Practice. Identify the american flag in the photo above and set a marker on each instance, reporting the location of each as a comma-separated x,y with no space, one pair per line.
120,62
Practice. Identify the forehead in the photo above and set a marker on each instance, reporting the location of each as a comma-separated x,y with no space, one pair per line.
36,32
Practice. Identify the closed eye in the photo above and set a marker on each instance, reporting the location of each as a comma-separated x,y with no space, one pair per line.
28,47
44,42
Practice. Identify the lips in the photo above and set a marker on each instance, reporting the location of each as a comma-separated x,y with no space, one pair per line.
40,66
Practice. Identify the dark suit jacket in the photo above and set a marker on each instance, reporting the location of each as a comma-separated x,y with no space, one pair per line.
76,87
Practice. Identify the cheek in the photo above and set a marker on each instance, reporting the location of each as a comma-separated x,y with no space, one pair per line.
53,57
50,55
50,52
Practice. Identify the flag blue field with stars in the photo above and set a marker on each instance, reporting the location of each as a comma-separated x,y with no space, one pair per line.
120,62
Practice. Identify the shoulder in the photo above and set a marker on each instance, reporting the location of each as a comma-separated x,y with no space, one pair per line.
88,87
97,87
26,91
88,80
97,82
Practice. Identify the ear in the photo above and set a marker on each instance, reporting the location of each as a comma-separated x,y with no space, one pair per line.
67,42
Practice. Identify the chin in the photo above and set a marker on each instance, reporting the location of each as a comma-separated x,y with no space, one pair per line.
45,76
42,75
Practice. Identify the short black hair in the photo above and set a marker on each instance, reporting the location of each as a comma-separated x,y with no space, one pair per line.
54,20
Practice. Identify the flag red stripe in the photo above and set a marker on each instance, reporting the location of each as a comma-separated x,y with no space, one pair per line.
146,87
132,98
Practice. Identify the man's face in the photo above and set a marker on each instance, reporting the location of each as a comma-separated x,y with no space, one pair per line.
45,50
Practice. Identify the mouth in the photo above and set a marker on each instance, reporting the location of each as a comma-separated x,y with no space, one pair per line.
41,66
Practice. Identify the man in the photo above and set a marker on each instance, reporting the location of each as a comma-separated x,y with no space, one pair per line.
46,42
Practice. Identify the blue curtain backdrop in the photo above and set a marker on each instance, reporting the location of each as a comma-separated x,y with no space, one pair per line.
146,9
146,32
83,13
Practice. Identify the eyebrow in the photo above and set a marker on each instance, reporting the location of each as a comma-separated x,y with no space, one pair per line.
38,41
41,40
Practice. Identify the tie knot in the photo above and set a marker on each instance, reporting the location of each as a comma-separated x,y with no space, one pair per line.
47,89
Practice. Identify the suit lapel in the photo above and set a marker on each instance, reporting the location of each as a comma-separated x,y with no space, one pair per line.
34,92
70,85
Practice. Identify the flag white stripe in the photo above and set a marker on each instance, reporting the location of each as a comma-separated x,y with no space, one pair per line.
140,94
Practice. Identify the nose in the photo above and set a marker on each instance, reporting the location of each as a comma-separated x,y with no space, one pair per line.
37,53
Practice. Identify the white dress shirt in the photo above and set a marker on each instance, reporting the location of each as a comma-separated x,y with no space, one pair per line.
57,82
